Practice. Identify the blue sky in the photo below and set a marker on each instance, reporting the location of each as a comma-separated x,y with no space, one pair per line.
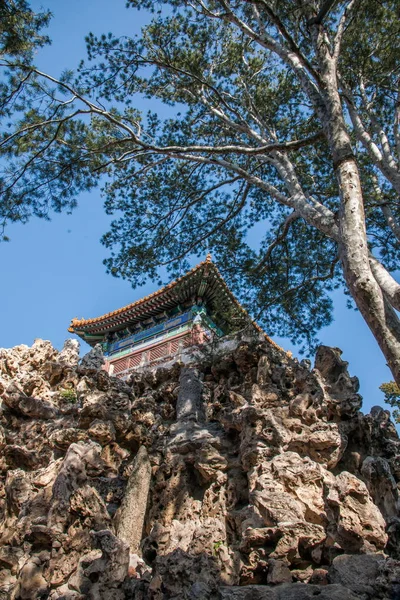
53,271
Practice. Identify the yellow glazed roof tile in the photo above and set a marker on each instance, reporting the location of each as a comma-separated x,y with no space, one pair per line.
83,322
77,324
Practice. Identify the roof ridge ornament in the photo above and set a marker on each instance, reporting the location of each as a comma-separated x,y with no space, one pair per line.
208,257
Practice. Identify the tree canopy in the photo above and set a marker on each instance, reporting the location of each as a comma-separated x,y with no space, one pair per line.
280,152
21,29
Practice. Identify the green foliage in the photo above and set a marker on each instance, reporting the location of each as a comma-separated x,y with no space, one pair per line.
20,36
20,29
392,397
216,546
69,395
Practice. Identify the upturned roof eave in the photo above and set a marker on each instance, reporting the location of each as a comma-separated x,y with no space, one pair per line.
83,324
91,330
135,310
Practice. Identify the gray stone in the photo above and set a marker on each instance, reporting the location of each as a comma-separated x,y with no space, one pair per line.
101,577
357,572
306,363
72,475
187,436
377,412
381,484
130,516
278,572
26,406
69,355
94,359
294,591
189,405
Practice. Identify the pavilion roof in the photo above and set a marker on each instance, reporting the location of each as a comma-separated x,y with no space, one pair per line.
203,283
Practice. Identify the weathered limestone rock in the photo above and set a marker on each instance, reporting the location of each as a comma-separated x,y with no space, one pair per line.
131,515
360,523
278,572
102,431
344,400
358,573
247,475
381,484
18,490
189,406
101,575
69,355
181,575
31,583
94,359
22,405
87,503
62,438
79,460
288,592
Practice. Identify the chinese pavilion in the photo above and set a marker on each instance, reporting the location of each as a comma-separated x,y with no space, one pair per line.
188,312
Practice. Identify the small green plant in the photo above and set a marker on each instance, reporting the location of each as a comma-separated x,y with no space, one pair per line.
216,546
68,395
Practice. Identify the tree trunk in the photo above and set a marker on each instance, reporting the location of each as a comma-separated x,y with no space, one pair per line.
353,249
368,296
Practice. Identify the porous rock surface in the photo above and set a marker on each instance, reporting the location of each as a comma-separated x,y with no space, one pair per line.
246,476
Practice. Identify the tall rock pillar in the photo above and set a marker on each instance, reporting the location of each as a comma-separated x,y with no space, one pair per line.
131,514
189,405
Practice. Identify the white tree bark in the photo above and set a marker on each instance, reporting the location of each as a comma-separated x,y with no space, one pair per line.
353,248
